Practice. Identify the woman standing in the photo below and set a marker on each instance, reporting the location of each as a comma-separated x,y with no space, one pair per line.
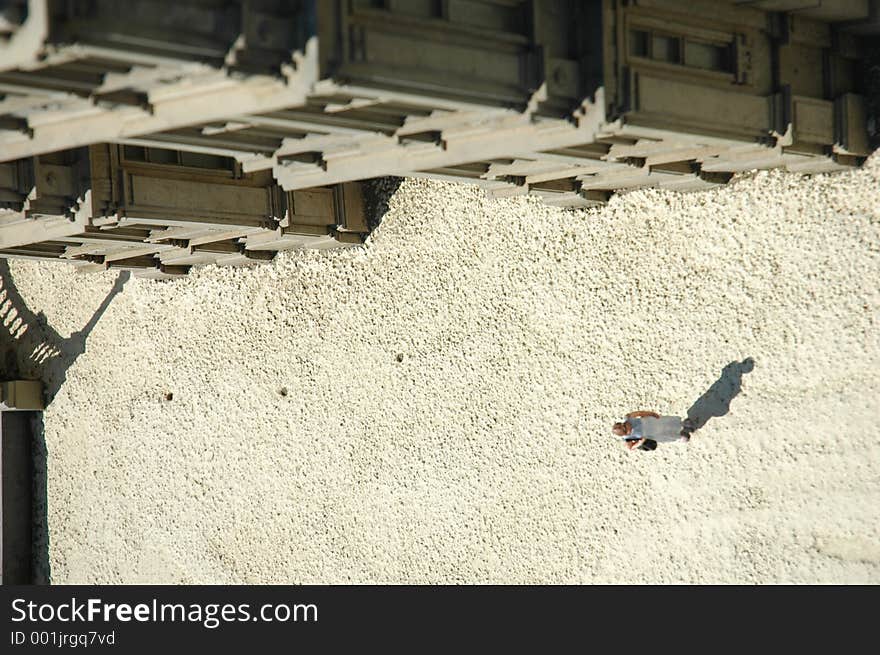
644,430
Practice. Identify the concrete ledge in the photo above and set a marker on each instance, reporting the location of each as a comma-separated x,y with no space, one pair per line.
21,395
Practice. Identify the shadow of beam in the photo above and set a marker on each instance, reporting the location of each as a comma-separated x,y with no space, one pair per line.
41,572
34,350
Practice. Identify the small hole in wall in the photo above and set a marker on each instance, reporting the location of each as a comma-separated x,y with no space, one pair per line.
283,391
168,396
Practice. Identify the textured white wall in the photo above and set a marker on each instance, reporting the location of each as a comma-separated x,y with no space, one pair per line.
485,454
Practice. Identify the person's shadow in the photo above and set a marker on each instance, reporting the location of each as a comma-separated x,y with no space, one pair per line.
716,400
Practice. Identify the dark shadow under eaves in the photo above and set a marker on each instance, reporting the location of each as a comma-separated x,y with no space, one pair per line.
377,194
716,400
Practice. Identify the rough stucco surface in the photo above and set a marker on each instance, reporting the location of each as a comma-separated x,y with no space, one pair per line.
485,455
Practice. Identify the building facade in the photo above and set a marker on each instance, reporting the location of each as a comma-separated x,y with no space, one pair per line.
154,135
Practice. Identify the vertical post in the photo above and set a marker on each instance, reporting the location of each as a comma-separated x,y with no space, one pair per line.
19,401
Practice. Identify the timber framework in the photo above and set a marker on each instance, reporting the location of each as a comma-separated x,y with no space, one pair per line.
154,135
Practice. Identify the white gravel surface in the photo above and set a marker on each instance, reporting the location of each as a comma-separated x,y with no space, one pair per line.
436,406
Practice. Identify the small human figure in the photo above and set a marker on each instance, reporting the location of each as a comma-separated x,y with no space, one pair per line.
644,430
